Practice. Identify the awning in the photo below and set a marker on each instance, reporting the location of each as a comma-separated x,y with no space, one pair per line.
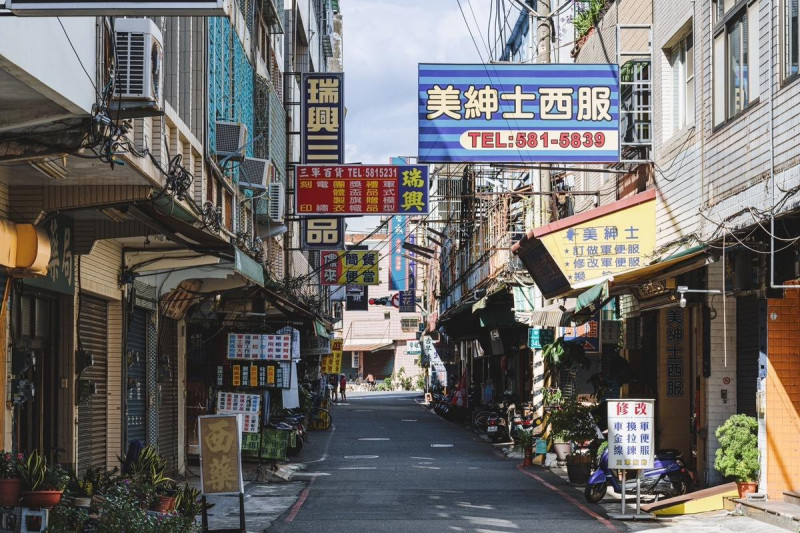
247,267
553,315
319,329
374,347
591,301
582,250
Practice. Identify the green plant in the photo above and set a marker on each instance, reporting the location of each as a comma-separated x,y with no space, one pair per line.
385,385
32,471
737,455
189,503
572,422
525,439
55,478
563,355
552,397
420,382
8,464
584,21
85,486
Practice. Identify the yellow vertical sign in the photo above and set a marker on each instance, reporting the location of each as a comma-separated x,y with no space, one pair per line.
336,356
220,454
253,376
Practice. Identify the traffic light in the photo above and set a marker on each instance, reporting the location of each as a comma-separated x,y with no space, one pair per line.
381,301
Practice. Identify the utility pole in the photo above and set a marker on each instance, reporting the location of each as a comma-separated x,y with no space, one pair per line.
543,56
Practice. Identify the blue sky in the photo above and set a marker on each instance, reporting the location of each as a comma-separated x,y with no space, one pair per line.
384,40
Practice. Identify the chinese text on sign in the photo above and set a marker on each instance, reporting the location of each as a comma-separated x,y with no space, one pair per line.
630,434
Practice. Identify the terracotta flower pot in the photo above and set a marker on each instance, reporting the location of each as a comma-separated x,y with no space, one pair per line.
527,457
164,504
41,499
746,487
9,492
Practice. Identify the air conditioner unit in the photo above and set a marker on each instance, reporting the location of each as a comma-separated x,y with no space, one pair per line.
140,61
277,202
255,173
231,140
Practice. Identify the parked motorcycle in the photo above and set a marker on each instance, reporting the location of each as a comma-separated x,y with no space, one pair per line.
521,420
497,428
668,477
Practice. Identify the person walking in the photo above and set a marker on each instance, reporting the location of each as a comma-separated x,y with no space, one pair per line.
343,387
334,383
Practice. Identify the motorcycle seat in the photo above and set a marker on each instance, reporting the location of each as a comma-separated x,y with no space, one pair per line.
669,453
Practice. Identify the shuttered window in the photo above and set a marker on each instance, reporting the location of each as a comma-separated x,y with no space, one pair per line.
93,411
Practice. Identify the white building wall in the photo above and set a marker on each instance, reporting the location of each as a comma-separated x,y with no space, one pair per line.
723,365
37,51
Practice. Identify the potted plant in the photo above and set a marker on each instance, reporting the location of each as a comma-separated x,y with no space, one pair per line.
526,440
166,496
42,485
573,422
737,455
9,478
82,489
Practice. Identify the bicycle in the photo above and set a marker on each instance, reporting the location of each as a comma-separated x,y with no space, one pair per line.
319,419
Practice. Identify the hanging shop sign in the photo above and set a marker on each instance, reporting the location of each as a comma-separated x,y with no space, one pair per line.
413,348
585,249
60,8
538,338
630,434
61,266
256,374
247,405
357,298
332,363
220,456
587,334
674,342
408,298
556,113
361,189
353,267
397,272
258,346
322,233
311,345
322,117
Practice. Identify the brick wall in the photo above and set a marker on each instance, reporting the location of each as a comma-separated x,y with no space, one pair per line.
783,395
716,409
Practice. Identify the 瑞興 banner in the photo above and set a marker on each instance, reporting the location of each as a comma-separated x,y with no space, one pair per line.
547,113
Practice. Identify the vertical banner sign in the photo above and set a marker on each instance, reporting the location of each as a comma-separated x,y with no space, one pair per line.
397,274
220,457
322,117
519,113
630,434
674,395
357,298
408,298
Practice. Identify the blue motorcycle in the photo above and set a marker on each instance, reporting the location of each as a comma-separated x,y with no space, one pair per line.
668,477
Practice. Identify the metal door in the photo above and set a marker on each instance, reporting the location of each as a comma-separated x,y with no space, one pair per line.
747,340
136,377
92,409
168,392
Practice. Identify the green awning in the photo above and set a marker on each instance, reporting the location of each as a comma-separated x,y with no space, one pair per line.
591,301
247,267
320,330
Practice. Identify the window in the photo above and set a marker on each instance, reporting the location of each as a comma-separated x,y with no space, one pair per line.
356,360
409,324
791,50
735,58
683,83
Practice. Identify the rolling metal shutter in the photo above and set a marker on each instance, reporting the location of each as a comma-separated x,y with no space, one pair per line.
92,413
168,392
136,378
747,340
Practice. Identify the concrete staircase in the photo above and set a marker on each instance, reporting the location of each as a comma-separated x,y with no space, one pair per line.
783,514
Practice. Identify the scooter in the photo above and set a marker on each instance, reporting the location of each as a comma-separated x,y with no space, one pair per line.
497,428
668,477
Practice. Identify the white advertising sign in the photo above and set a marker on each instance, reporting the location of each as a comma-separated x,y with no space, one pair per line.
630,434
65,8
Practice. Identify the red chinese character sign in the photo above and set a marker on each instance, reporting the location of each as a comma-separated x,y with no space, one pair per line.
362,189
630,434
353,267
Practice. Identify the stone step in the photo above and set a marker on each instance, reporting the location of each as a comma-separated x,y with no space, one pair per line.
791,496
781,514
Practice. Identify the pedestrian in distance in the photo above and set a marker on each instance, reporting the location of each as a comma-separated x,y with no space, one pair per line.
334,386
343,387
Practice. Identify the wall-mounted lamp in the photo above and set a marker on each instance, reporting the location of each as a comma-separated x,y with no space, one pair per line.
683,289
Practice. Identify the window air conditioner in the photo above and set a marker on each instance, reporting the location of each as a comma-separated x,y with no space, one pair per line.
231,140
277,202
140,58
254,173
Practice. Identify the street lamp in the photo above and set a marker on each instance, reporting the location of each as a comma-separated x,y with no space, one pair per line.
683,289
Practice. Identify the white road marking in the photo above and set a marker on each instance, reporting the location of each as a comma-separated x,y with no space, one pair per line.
408,420
310,474
363,411
441,445
374,438
358,468
423,458
360,456
427,467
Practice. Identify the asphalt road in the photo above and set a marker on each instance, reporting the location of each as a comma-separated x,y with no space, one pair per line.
391,465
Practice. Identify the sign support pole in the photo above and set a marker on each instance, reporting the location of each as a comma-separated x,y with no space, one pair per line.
624,480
